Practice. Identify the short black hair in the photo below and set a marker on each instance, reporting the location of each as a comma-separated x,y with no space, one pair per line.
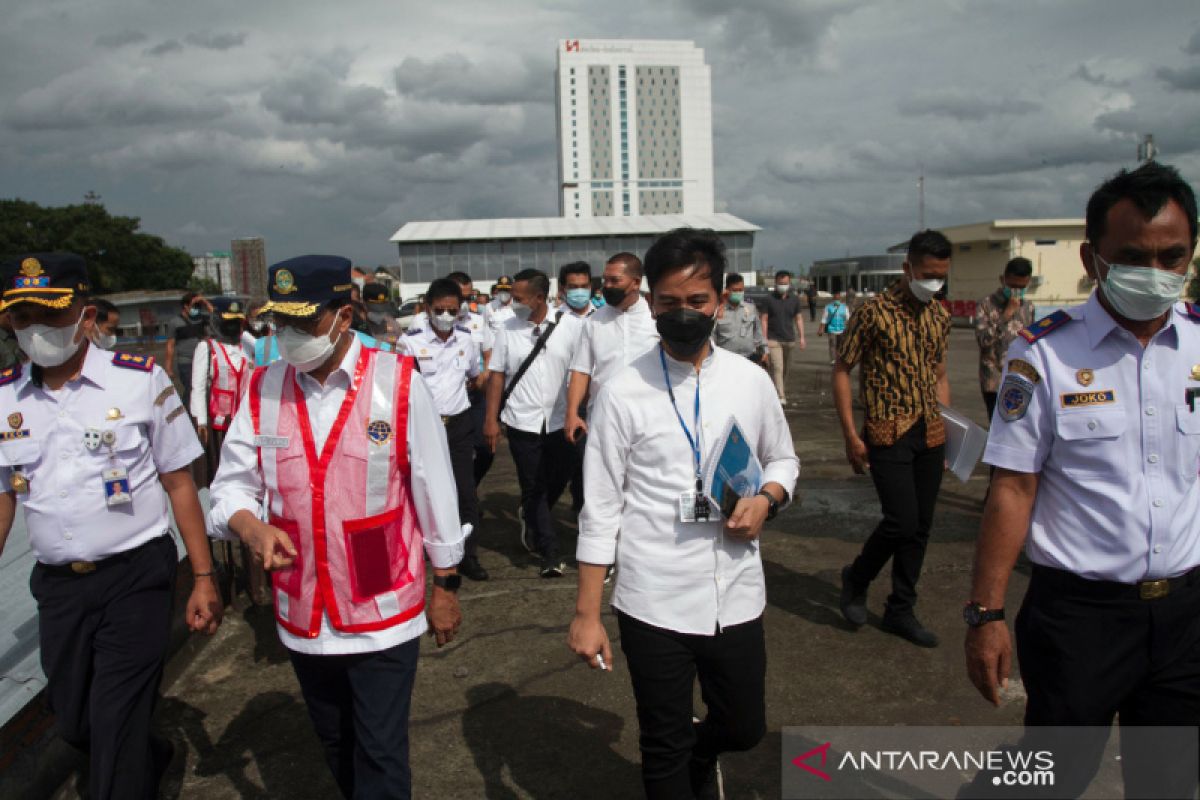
1019,267
188,298
104,308
733,278
629,262
536,278
686,247
461,278
574,268
443,287
928,244
783,273
1148,187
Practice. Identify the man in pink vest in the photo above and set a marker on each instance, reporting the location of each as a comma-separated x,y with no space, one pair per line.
346,446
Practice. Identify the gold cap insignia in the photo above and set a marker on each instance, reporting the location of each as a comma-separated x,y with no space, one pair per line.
114,413
1196,372
31,268
15,419
285,282
1085,377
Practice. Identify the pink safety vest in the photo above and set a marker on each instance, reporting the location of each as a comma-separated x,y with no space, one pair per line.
348,509
226,386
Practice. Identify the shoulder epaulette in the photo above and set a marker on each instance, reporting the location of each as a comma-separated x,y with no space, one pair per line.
10,375
414,331
133,361
1044,325
1193,311
462,328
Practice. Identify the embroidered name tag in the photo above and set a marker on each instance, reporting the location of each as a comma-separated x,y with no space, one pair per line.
272,441
1077,399
12,436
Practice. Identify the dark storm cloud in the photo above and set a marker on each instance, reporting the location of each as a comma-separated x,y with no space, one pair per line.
456,78
964,107
120,39
164,48
1098,77
762,26
1192,48
1184,79
216,41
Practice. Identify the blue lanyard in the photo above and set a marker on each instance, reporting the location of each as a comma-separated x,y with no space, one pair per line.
694,443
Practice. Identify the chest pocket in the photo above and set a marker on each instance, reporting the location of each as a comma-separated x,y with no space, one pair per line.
1188,424
20,453
1088,442
127,445
427,366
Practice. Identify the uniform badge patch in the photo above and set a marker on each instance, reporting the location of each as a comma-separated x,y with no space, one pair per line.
15,419
379,432
1078,399
285,282
1196,372
9,375
1025,370
1085,377
1015,394
133,361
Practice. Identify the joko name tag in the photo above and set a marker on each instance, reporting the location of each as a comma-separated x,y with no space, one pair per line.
273,442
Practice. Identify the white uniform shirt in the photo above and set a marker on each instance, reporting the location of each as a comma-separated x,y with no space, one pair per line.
495,314
540,399
66,511
1118,497
445,365
611,340
686,577
480,332
239,486
202,375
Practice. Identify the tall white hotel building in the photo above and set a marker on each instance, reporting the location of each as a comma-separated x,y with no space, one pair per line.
634,128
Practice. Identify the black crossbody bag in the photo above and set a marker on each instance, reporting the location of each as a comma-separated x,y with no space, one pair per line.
538,346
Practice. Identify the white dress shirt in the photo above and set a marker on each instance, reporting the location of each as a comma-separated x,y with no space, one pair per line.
687,577
239,486
445,365
202,375
611,340
495,314
539,401
66,510
481,333
1118,497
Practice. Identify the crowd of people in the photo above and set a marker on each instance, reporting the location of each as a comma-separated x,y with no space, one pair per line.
343,457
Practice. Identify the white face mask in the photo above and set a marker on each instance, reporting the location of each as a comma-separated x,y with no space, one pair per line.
783,288
504,297
926,288
304,351
443,322
106,341
1140,293
47,346
521,311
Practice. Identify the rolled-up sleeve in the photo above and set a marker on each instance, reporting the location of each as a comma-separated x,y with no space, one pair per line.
604,462
584,361
1021,441
776,452
499,353
434,498
238,485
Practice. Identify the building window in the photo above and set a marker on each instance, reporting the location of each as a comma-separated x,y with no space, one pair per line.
1045,242
964,248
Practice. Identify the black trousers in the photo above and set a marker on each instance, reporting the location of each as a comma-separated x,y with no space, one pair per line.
664,665
1090,650
460,436
907,478
989,401
104,640
359,706
540,459
483,454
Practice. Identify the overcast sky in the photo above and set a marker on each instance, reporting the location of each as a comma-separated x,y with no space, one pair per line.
325,126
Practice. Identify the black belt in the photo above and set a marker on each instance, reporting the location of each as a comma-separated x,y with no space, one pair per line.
79,568
1114,590
447,419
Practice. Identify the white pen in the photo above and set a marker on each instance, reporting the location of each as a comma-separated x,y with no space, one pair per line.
600,662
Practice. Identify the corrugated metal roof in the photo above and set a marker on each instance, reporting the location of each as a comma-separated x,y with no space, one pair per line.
564,227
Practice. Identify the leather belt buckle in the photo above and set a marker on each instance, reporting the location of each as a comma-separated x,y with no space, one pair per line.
1153,590
83,567
445,420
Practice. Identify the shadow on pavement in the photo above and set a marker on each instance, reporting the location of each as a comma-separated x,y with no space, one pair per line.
806,596
545,747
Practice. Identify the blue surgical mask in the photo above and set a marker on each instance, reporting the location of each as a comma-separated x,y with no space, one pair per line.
578,298
1140,293
1009,292
598,301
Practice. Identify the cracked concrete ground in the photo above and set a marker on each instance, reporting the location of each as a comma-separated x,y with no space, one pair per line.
508,712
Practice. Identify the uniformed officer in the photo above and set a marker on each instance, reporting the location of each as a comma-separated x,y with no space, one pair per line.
499,309
381,315
1095,441
346,446
449,360
91,440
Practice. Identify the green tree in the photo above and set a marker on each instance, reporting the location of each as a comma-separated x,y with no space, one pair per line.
119,256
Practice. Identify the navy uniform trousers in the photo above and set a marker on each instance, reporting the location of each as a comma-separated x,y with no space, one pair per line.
104,640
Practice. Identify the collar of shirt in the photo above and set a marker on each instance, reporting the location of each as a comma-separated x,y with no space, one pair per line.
429,336
94,370
343,373
1100,324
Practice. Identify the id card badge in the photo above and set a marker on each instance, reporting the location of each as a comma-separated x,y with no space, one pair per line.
694,507
116,486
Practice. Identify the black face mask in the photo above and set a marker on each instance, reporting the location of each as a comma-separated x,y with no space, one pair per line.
613,296
684,330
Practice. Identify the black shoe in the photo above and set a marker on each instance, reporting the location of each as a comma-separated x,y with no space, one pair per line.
162,753
907,626
471,568
707,781
553,568
854,600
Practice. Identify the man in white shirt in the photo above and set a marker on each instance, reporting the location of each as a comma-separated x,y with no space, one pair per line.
346,446
527,393
689,592
499,309
575,289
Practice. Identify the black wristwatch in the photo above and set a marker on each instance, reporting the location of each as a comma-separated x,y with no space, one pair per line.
976,615
448,582
773,508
